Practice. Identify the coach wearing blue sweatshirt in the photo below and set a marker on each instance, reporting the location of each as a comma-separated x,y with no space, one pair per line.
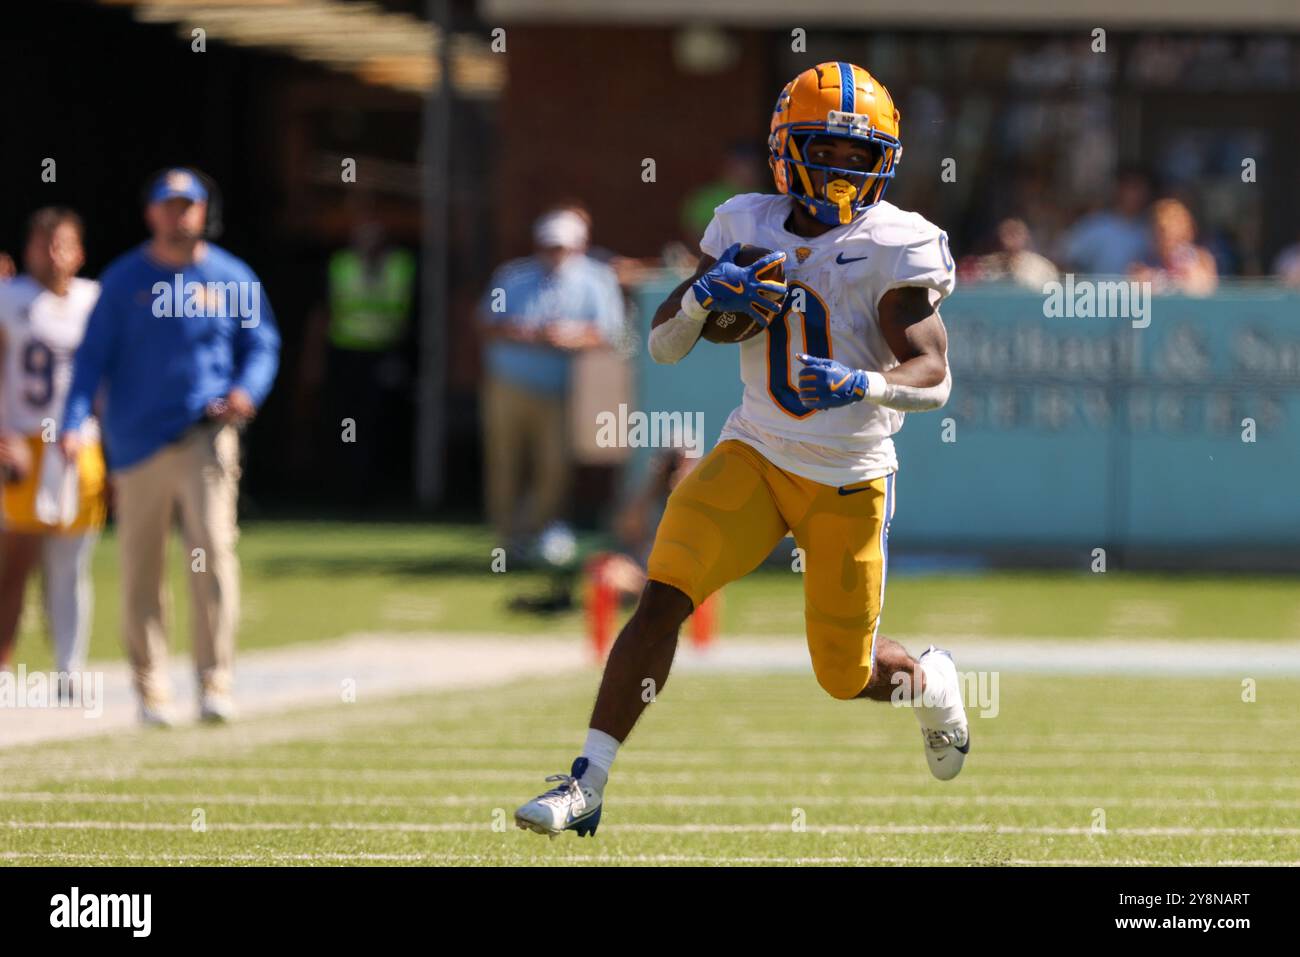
184,347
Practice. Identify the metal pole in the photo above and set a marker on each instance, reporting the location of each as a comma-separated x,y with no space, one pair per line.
430,419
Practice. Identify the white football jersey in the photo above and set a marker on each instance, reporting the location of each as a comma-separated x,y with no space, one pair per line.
41,334
835,283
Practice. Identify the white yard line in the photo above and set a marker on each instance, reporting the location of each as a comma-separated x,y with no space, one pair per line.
470,827
872,776
377,665
848,763
657,801
1103,656
108,857
720,860
366,666
551,860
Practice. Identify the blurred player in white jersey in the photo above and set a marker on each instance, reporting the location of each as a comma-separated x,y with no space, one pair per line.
51,514
852,340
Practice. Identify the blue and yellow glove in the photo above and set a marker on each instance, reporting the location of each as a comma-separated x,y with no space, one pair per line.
827,384
727,287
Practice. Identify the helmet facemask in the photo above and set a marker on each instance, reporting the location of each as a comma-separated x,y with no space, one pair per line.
834,195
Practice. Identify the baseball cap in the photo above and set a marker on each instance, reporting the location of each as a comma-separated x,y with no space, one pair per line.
177,183
563,228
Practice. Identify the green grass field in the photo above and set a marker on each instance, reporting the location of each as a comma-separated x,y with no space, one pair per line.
307,581
723,769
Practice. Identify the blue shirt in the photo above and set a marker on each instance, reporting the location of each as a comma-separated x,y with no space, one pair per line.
165,341
1106,244
524,294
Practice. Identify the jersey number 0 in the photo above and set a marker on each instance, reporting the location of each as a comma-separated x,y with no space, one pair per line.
815,318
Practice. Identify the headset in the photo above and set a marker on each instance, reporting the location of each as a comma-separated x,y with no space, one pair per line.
214,225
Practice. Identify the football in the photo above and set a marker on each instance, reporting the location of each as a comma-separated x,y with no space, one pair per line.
739,326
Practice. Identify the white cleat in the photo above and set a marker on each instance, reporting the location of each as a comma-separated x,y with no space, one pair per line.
943,717
572,805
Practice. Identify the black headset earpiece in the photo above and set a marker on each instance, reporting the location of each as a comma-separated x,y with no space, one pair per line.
216,224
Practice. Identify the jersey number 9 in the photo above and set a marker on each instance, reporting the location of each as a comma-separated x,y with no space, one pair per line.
38,365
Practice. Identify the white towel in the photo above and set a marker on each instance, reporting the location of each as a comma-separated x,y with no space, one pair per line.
58,494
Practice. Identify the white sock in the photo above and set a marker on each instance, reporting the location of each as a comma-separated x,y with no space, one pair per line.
941,699
599,751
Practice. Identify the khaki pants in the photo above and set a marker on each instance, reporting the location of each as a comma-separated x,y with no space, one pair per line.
523,429
199,475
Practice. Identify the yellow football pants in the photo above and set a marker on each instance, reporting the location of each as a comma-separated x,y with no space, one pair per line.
18,498
728,514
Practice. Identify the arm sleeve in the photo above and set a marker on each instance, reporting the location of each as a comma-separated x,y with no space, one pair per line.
908,398
90,361
257,353
670,341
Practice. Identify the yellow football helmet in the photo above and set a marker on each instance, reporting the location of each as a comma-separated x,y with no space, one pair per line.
842,100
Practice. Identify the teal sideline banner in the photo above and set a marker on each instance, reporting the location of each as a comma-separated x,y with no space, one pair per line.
1177,429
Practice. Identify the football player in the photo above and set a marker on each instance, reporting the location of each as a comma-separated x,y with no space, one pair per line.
47,521
854,343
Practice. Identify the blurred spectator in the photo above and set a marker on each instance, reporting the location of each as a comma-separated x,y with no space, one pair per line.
177,388
1287,265
599,253
48,523
1012,261
7,268
1110,241
629,270
535,315
1176,263
354,350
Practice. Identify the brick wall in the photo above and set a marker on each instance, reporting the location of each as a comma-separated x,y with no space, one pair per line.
584,106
